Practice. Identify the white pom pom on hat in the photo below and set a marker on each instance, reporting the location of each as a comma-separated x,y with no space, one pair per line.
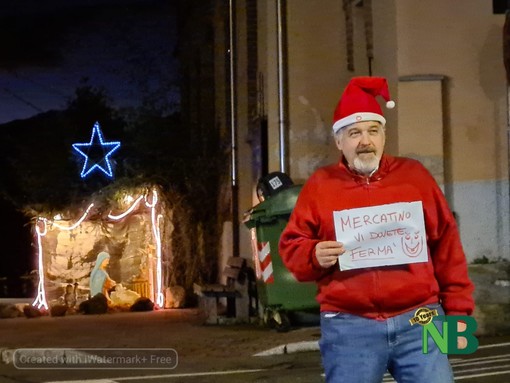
358,102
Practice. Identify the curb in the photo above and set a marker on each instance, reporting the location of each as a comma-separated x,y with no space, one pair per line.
14,301
291,348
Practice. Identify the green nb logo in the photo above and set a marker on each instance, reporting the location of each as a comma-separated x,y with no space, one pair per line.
448,340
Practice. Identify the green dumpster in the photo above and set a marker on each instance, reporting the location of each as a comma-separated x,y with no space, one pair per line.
281,296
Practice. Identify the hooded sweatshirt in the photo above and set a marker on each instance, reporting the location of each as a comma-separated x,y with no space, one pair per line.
386,291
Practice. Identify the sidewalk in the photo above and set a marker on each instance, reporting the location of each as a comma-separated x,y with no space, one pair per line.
180,329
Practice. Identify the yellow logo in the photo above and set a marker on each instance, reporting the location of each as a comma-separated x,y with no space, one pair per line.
423,316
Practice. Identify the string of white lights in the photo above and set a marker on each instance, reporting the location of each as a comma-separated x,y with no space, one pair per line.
41,299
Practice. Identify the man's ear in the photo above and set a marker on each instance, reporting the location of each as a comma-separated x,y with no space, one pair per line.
338,141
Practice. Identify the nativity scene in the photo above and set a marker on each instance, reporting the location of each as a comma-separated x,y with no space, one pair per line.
115,254
111,248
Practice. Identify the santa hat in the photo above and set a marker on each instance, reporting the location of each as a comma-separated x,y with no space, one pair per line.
358,102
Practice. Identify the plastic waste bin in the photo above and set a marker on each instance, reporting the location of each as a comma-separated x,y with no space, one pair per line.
280,294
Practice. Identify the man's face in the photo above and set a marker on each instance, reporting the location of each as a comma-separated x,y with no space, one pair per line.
362,145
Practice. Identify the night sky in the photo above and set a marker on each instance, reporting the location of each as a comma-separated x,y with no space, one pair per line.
51,47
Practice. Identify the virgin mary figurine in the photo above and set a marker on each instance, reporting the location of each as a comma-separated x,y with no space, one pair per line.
100,281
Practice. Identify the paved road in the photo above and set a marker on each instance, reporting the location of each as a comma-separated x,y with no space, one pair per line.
302,367
490,364
215,354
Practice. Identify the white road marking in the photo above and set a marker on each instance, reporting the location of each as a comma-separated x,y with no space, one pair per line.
494,345
166,376
82,380
486,360
313,346
482,375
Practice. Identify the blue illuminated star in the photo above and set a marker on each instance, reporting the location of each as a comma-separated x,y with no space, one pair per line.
97,153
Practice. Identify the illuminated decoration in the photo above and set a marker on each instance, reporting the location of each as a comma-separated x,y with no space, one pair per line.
90,149
42,228
155,220
40,299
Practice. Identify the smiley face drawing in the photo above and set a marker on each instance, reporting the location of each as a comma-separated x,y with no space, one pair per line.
412,244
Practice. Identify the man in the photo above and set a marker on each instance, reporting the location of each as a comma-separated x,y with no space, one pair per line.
366,311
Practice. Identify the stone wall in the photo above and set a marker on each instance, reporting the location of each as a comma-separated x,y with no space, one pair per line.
492,297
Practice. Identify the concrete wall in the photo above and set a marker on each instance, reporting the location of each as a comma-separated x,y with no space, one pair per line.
461,46
492,294
468,53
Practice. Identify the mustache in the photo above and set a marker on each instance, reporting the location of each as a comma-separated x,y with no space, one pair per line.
365,150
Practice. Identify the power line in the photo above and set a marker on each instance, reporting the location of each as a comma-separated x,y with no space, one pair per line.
26,102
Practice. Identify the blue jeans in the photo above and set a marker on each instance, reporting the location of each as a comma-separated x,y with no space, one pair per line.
360,350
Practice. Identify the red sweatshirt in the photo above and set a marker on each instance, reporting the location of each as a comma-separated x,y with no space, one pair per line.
378,292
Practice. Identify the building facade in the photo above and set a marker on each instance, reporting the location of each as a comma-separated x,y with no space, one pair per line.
281,66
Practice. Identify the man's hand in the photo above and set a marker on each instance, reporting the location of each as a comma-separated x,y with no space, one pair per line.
461,341
327,252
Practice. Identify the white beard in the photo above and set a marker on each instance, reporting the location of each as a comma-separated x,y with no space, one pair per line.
366,166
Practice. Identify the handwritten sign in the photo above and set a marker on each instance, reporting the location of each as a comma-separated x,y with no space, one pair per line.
383,235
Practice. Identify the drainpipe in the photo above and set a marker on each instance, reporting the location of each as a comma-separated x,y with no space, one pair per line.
282,90
506,61
369,33
233,130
